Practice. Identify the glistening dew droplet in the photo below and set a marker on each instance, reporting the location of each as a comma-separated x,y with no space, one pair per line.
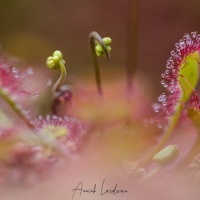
162,98
156,107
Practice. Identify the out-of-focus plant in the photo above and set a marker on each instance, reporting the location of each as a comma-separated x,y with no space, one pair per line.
61,93
43,141
180,80
99,47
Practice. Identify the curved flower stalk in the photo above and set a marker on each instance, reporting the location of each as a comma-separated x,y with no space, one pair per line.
99,47
180,80
56,62
62,94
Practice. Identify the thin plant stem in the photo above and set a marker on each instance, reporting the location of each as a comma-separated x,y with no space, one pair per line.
93,37
56,62
62,77
16,108
166,136
132,43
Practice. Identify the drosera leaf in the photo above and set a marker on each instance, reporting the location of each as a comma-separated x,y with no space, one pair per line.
187,79
180,79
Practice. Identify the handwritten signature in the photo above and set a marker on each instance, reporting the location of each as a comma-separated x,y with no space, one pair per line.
103,190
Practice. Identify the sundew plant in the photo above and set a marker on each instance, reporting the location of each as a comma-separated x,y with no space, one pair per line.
98,129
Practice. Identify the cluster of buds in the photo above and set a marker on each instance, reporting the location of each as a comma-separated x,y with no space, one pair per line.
99,50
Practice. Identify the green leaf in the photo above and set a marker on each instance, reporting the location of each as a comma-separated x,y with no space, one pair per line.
189,75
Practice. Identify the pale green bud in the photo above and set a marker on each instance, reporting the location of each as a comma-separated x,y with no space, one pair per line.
107,40
53,61
166,155
50,62
98,48
56,59
109,48
58,53
98,54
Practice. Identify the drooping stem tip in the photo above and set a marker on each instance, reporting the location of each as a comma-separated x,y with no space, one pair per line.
99,47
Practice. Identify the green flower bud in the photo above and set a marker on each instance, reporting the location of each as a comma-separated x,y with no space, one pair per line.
50,63
53,61
58,53
98,48
109,48
99,54
56,59
107,40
